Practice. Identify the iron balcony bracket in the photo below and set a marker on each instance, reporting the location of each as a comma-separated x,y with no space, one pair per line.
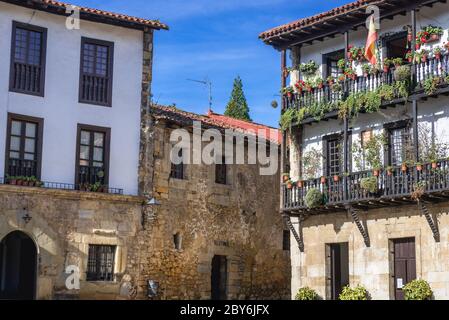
355,217
432,224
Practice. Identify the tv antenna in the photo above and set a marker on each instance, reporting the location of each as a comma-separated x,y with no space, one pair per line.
207,83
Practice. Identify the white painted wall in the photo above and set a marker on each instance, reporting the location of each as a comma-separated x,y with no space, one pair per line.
60,108
434,112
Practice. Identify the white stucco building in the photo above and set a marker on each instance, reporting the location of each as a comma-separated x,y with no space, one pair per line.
70,82
387,126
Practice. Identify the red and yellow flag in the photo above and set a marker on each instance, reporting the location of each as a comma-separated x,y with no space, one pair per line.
371,46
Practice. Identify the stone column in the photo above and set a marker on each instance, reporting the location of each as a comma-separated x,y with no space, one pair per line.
146,162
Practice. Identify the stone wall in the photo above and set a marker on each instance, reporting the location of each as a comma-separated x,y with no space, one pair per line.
372,266
63,224
240,220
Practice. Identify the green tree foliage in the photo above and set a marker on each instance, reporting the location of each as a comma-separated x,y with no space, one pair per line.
237,106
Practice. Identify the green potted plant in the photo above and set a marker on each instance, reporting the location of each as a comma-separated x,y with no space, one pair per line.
397,62
402,73
418,166
431,84
424,55
433,33
314,198
386,65
357,293
417,290
341,64
369,184
409,56
11,179
350,73
437,53
366,68
306,294
418,190
330,80
337,87
389,171
288,92
319,83
308,69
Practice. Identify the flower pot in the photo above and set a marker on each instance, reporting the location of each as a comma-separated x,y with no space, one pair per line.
300,184
366,74
289,95
323,180
434,165
25,183
31,183
320,86
389,173
289,186
376,173
286,178
438,56
20,182
419,167
12,181
434,37
330,82
386,69
417,46
410,60
404,168
353,77
309,89
424,59
336,178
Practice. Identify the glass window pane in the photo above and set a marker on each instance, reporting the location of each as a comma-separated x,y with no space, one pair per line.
29,156
84,152
98,139
30,145
30,130
14,155
15,144
98,164
85,137
15,128
98,154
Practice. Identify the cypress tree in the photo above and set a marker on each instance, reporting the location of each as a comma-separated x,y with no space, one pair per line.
237,106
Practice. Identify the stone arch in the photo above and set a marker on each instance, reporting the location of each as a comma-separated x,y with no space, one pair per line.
18,266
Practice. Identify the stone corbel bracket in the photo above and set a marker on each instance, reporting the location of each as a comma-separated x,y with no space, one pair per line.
432,224
298,237
363,230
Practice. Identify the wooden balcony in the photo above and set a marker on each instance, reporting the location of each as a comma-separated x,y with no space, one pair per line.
326,95
394,187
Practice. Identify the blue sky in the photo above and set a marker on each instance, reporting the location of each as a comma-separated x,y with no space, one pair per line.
216,39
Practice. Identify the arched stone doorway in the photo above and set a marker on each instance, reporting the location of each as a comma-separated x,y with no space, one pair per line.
18,263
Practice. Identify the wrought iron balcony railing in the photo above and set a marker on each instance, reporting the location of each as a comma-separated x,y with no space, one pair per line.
62,186
423,70
392,185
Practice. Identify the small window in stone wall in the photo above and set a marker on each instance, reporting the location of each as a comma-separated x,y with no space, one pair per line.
177,240
286,240
100,264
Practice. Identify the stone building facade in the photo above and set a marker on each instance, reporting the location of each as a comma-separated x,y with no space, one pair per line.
199,219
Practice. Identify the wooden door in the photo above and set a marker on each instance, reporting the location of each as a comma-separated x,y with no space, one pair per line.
404,264
219,278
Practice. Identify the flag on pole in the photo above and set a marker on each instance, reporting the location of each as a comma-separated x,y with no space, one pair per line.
371,43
